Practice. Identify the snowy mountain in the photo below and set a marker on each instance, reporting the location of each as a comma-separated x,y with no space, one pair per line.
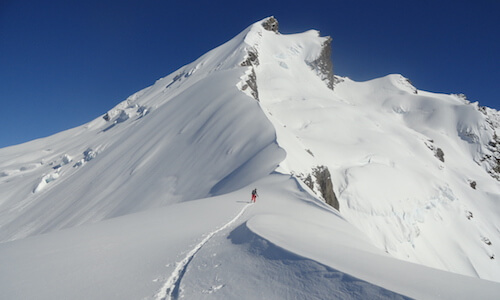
367,189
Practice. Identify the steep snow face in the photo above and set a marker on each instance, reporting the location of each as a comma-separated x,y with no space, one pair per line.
190,135
408,166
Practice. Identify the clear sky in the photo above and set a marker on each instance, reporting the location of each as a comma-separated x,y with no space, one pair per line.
64,63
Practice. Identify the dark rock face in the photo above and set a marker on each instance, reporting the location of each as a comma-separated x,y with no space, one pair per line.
414,89
323,178
308,181
440,154
271,24
251,83
493,159
252,59
473,184
323,64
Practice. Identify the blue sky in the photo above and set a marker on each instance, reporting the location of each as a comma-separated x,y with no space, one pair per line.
64,63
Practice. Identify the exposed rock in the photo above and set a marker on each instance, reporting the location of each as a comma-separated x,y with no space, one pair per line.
473,184
308,181
89,154
493,159
337,80
324,180
462,97
252,58
271,24
410,85
320,182
440,154
323,64
251,83
492,144
486,241
177,78
482,109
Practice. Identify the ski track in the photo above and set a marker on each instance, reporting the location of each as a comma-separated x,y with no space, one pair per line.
170,289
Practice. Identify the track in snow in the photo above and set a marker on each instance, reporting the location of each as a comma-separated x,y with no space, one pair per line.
170,289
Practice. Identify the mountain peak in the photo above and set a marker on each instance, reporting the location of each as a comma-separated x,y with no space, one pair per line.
413,174
285,56
271,24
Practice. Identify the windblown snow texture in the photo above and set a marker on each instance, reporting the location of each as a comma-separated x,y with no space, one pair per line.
151,200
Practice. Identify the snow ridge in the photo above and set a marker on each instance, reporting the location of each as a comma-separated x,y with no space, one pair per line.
407,167
170,289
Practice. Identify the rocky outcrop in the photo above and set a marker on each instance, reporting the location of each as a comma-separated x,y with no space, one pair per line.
324,180
493,160
438,152
320,182
490,159
249,82
251,85
271,24
252,59
323,64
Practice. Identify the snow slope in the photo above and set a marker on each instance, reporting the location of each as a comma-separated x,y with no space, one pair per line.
239,250
380,141
191,128
151,200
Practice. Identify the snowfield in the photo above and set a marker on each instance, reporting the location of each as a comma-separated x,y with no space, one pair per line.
152,200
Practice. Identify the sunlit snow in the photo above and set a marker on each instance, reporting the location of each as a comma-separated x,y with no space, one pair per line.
152,200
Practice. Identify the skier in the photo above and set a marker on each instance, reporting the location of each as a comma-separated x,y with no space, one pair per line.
254,195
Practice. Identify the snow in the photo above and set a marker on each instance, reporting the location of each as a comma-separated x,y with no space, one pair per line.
152,201
223,254
127,257
142,162
171,287
380,141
